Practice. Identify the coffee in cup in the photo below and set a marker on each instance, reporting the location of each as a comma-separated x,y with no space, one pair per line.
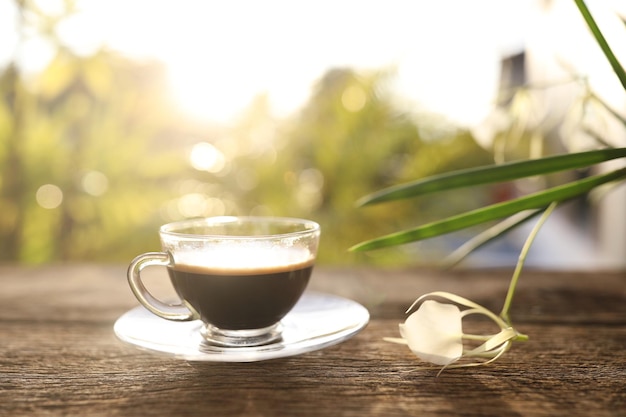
239,275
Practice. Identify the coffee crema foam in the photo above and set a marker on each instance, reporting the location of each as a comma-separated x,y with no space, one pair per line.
244,260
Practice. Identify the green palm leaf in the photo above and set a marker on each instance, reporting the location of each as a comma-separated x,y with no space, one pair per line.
493,212
597,34
493,173
488,235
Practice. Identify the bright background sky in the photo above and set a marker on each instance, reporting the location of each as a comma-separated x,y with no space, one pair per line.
220,54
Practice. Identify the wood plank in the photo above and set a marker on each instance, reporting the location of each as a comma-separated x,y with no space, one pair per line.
59,356
83,369
83,292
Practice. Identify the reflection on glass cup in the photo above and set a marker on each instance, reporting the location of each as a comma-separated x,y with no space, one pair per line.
239,275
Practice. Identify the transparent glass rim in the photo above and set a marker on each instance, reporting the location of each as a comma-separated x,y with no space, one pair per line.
173,229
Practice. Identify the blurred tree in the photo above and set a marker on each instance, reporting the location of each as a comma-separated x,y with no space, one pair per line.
94,157
351,139
87,158
11,128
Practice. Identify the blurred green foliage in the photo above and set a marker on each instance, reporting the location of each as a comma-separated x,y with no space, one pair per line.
94,157
83,116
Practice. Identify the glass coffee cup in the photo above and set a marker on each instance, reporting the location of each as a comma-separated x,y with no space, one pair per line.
238,275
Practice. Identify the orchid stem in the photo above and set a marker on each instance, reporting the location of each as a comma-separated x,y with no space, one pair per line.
520,262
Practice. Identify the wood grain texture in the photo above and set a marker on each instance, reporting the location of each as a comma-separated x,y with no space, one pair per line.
59,356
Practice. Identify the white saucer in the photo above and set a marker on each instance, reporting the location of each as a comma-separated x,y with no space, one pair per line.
317,321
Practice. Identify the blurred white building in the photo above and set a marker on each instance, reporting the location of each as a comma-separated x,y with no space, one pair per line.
562,59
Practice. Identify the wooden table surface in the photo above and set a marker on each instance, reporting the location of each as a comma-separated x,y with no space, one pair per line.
59,355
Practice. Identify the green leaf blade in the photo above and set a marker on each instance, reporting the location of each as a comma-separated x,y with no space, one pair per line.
537,200
492,174
601,41
487,236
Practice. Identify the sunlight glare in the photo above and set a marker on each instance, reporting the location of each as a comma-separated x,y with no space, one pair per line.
206,157
220,55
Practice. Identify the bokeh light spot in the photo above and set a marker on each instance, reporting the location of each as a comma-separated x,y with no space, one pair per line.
353,98
95,183
192,205
310,186
206,157
49,196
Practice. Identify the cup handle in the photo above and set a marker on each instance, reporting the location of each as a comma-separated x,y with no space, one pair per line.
167,311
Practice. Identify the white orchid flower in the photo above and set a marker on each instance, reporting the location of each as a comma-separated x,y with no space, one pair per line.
434,332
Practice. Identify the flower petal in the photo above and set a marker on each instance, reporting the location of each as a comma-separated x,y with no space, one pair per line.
434,332
475,308
493,342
